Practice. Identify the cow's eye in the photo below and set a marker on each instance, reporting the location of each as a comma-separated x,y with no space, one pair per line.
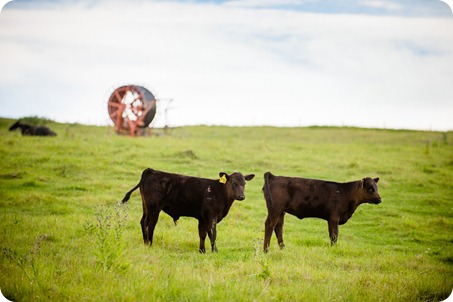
234,185
370,190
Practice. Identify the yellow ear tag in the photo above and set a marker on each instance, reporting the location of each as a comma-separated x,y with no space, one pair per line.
223,179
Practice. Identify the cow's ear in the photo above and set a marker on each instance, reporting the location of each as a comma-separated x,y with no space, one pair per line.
223,177
249,177
376,180
223,174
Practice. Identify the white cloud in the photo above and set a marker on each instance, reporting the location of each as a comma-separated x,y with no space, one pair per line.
389,5
228,65
265,3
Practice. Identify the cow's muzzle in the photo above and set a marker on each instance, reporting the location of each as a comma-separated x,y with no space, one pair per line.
241,197
377,201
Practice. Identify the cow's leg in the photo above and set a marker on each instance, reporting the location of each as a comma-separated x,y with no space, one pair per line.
279,230
269,226
149,218
142,221
333,230
142,224
150,224
202,231
212,233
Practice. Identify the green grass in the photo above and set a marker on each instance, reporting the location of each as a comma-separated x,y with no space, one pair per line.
63,235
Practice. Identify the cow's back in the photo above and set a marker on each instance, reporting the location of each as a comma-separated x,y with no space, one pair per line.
43,131
302,197
175,194
186,198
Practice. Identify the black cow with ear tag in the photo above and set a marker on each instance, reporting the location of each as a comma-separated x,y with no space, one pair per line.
179,195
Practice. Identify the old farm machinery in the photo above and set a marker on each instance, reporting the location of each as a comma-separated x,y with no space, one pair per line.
131,108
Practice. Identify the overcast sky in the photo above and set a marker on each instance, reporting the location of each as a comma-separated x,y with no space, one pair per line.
367,63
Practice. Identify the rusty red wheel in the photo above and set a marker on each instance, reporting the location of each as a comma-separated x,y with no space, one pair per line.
131,107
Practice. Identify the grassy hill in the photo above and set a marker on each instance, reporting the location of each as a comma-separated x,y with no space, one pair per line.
65,237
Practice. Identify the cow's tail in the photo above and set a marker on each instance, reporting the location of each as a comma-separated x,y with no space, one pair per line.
128,194
267,193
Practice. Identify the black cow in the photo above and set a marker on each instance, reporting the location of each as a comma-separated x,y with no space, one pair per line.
301,197
32,130
178,195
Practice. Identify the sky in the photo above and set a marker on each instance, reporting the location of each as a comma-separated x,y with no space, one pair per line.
365,63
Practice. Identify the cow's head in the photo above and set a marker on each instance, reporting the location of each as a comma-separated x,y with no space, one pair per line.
368,190
15,126
235,184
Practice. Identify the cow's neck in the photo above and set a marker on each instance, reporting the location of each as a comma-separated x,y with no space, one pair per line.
352,206
354,201
228,199
24,128
226,208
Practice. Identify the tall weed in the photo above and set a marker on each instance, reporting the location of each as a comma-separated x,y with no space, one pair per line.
32,266
108,227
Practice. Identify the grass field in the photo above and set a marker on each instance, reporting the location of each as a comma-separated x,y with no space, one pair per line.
65,237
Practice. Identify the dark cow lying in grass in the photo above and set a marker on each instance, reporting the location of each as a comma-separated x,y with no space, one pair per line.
177,195
301,197
32,130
